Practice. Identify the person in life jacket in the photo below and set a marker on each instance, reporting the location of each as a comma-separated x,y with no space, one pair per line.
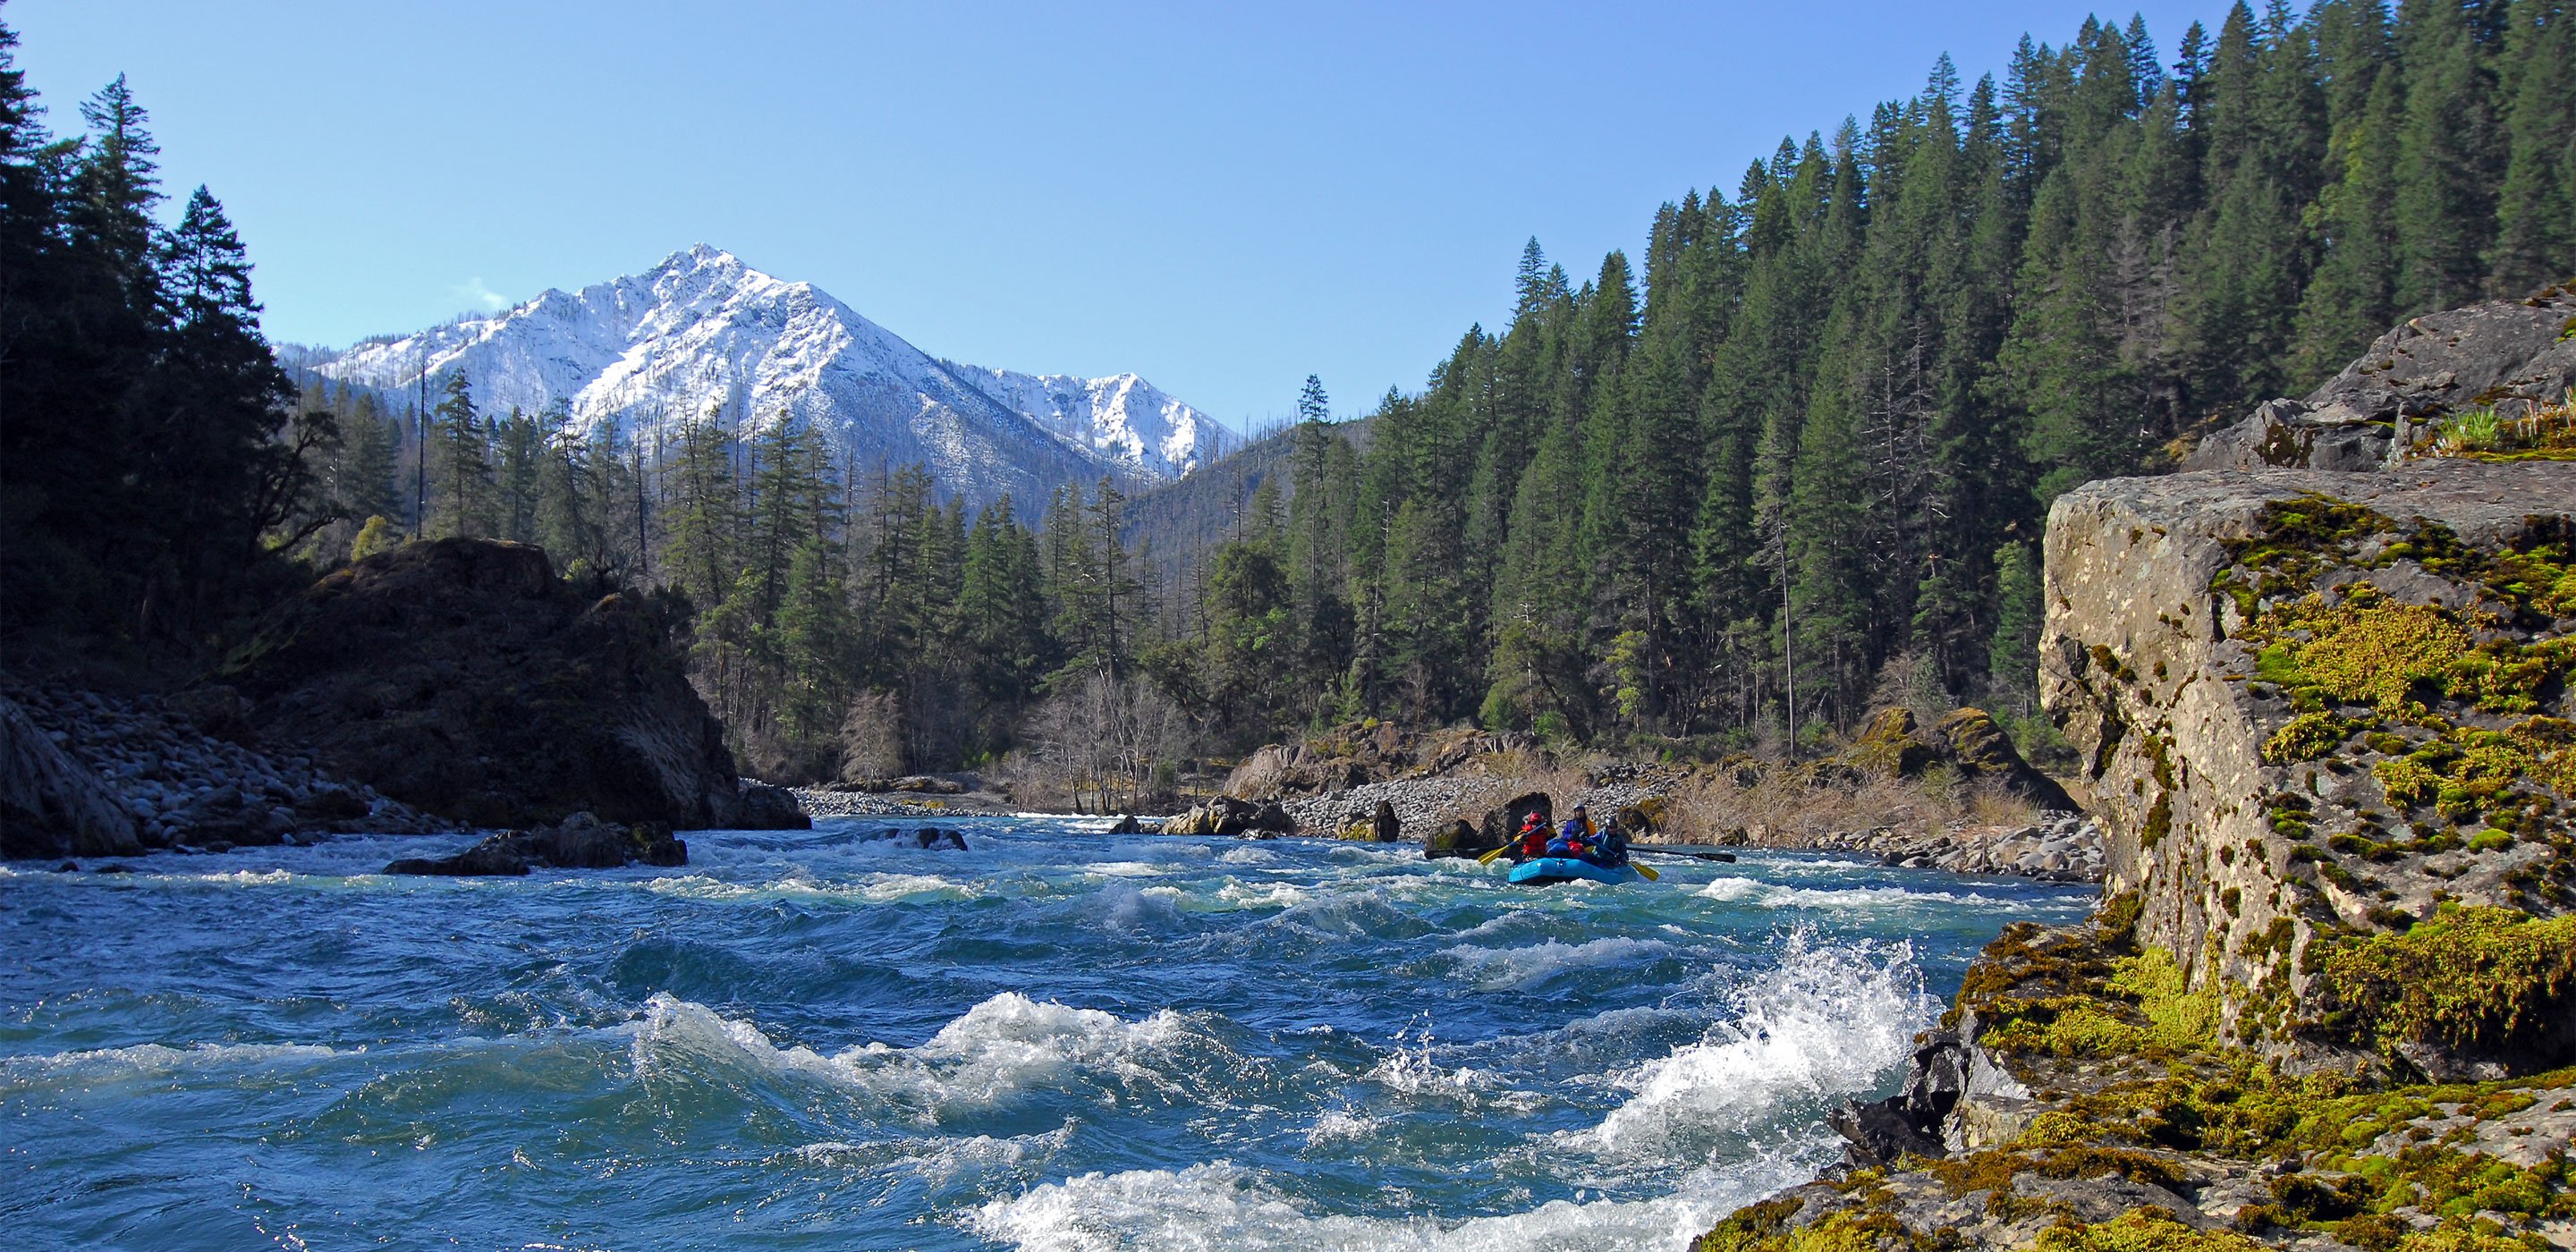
1575,837
1612,850
1533,838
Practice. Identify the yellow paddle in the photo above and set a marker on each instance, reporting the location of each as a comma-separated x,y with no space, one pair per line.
1489,858
1647,870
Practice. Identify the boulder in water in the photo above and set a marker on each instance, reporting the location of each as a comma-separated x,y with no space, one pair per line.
764,807
580,841
1226,815
498,855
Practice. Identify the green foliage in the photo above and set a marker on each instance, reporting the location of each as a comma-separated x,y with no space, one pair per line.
378,535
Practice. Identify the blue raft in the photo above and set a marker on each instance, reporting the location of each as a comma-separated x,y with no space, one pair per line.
1549,870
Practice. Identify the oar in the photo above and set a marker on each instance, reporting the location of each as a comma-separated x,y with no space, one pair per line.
1648,871
1490,857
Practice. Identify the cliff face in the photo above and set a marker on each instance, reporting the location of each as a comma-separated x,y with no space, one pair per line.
2318,708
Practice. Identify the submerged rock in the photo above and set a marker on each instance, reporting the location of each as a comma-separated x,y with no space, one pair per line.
581,841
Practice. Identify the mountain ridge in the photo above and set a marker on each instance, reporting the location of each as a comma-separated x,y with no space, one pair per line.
703,332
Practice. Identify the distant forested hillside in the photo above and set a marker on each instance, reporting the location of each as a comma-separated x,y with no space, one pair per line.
1810,446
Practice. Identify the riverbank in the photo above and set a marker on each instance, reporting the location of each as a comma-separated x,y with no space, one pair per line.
161,777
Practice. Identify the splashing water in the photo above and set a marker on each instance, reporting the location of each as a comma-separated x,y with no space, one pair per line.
1058,1040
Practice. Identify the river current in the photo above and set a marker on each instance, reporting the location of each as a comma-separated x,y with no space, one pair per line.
1056,1039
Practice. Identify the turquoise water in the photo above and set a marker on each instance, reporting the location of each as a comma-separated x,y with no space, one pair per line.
1055,1040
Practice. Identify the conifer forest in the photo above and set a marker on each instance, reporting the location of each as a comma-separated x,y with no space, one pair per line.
1790,464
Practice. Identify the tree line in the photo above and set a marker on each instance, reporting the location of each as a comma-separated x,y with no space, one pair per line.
151,476
1798,466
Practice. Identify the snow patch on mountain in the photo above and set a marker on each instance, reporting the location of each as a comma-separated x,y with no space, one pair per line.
704,333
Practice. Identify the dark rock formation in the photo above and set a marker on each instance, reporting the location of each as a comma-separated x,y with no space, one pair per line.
1458,838
1914,1120
580,841
763,807
1226,815
1499,827
2507,353
49,803
463,677
1388,827
1983,752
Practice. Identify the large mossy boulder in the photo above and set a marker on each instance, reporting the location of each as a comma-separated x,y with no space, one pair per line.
462,676
2327,727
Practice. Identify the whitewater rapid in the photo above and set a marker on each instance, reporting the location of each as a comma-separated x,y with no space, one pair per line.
1056,1040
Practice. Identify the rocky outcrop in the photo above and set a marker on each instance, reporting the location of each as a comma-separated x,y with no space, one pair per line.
2317,710
1355,755
580,841
463,677
2507,353
50,804
1967,740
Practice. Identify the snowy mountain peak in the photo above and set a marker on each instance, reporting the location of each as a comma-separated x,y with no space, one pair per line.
702,332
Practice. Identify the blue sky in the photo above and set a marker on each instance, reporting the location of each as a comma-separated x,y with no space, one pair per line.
1221,197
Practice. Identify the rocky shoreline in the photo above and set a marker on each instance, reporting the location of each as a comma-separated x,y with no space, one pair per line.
177,786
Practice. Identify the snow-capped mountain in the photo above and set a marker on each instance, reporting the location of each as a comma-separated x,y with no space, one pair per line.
702,331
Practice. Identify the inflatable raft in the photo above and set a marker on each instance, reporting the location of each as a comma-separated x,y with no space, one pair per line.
1549,870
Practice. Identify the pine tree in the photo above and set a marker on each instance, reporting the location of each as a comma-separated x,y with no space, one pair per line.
2536,204
460,464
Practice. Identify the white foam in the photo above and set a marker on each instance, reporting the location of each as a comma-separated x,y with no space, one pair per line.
1248,856
1497,969
997,1049
1737,889
1826,1021
1340,1125
156,1059
1244,895
1220,1205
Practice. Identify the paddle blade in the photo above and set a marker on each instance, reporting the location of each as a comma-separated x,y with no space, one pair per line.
1649,872
1490,857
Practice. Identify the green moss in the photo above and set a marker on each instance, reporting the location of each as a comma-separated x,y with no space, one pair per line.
1751,1227
2305,738
2372,653
2406,782
2469,977
2141,1230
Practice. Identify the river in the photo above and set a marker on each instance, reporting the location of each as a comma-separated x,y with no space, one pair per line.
1056,1039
